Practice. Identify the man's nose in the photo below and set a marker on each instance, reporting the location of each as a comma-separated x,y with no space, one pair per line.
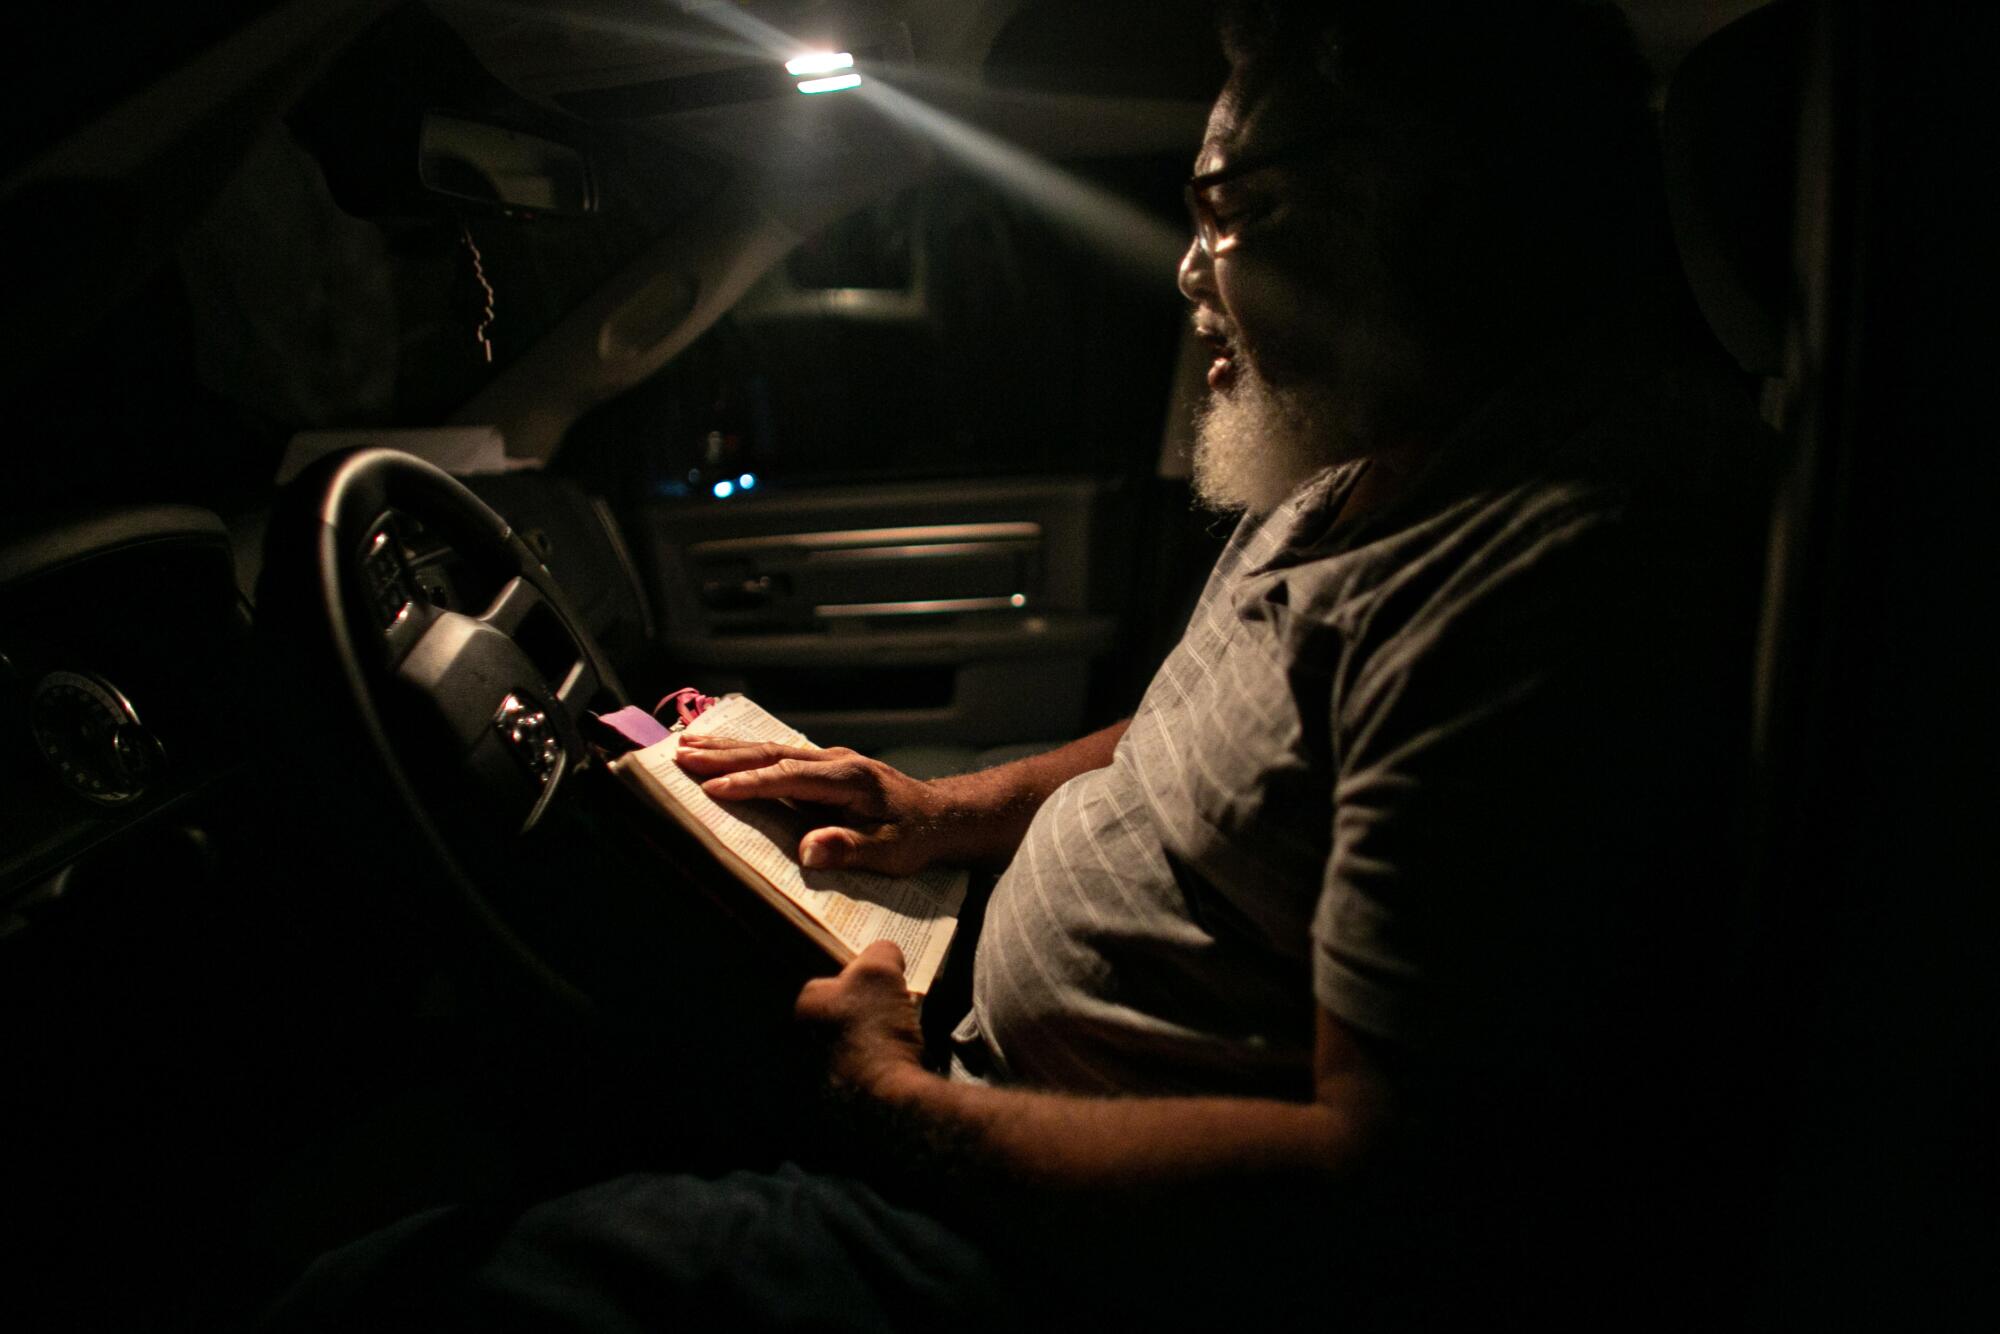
1197,274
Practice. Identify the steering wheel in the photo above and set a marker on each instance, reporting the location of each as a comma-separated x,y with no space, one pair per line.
473,717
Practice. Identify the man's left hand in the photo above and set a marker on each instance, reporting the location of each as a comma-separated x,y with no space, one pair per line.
868,1019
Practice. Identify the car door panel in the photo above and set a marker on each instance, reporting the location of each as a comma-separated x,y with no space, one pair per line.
965,611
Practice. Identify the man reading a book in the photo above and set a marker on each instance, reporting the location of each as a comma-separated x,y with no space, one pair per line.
1373,968
1407,868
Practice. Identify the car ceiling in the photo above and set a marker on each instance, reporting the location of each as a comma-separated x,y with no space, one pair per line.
108,195
104,90
547,50
1058,78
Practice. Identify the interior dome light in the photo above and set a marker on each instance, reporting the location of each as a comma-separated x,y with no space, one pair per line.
819,62
838,83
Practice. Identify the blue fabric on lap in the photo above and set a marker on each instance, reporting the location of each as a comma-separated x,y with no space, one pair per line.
749,1251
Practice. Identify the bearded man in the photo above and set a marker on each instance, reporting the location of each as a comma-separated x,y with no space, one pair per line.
1371,968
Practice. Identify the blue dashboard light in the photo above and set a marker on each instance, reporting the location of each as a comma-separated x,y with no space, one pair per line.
747,482
724,489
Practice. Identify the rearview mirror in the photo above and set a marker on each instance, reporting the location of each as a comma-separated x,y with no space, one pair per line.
502,168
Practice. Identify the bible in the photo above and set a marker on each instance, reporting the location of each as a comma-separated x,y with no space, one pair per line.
843,912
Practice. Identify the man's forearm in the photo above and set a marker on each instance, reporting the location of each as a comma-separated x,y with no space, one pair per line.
1066,1144
1059,1146
987,813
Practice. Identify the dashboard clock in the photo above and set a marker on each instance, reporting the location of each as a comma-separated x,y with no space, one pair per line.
92,737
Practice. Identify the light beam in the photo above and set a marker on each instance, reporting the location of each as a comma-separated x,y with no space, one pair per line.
1128,235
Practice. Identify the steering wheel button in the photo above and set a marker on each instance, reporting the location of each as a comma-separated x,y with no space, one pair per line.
529,735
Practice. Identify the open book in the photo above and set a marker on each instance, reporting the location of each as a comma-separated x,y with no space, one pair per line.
758,842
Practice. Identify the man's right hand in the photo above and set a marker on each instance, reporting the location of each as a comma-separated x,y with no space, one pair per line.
885,820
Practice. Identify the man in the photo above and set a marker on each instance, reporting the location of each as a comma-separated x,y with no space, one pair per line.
1368,970
1425,823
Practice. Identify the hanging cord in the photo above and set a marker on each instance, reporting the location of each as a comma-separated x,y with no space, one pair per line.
479,276
688,702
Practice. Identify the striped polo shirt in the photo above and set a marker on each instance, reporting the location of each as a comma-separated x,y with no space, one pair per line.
1449,772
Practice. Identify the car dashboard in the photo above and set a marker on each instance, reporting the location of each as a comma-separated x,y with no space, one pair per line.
123,643
211,970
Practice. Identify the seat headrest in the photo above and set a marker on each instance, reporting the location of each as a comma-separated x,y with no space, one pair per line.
1731,141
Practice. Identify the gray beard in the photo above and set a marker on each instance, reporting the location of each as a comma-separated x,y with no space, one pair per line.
1255,446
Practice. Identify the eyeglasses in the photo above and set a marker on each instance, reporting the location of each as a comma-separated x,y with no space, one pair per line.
1207,228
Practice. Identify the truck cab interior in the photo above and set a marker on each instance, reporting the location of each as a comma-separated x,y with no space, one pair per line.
863,388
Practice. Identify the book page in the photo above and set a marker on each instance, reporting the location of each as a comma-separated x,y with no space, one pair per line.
918,912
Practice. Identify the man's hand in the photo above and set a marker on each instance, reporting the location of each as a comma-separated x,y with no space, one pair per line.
868,1019
1062,1141
889,821
885,820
